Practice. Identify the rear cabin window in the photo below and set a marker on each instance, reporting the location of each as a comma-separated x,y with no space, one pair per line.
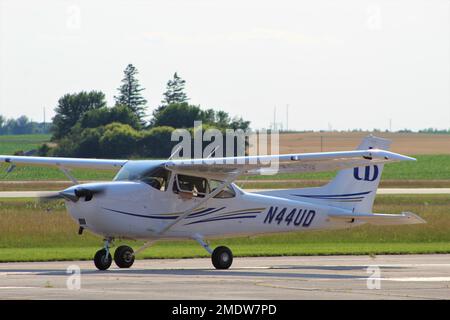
228,192
198,187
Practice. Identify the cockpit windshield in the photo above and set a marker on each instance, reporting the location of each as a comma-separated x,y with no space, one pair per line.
154,175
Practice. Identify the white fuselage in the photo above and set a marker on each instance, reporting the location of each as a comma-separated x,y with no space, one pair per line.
135,210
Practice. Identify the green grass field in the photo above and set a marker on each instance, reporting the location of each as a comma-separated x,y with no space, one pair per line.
42,173
32,233
9,144
24,142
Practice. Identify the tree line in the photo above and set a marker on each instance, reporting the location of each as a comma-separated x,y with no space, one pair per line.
84,126
22,125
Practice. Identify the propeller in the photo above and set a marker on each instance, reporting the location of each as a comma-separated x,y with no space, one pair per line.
73,194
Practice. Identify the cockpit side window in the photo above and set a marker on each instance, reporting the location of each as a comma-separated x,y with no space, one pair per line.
155,176
158,178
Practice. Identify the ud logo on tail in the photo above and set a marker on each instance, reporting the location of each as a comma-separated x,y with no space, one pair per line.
367,173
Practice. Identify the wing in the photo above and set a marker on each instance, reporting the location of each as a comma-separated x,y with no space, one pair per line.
66,163
220,168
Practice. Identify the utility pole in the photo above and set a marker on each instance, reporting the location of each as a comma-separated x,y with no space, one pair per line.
287,117
44,120
275,118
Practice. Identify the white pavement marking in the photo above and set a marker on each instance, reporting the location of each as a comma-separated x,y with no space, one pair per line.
25,194
414,191
15,273
417,279
6,288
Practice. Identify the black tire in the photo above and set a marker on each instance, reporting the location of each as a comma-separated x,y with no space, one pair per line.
124,257
101,260
222,258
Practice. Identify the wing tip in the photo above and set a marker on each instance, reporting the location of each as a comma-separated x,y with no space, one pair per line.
388,155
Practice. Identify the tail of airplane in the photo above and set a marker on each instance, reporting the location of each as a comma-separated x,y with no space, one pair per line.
352,189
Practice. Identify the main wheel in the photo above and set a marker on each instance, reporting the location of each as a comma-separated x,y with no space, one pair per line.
102,260
222,258
124,257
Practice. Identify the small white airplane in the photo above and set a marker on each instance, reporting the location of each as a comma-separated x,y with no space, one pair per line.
197,199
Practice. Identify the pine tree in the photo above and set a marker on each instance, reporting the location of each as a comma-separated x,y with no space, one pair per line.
175,91
130,93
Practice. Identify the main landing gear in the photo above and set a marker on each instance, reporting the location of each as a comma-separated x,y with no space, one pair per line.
123,256
221,257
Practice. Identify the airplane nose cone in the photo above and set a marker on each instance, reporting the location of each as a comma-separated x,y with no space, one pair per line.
69,194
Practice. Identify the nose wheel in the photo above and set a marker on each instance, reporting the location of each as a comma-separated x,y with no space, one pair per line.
102,259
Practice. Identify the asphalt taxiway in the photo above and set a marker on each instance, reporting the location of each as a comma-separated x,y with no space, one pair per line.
318,277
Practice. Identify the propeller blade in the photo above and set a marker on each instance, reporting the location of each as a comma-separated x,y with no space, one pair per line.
72,194
50,196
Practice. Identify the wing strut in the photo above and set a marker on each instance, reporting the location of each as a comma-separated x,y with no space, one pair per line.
68,174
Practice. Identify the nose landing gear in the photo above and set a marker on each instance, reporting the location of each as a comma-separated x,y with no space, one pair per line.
102,258
123,256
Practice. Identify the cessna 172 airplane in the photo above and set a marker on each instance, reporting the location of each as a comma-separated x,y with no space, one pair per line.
197,199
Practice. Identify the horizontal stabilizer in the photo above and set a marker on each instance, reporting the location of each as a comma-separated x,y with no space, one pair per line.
380,218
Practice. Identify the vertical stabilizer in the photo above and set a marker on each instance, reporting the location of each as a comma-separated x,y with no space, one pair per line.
352,189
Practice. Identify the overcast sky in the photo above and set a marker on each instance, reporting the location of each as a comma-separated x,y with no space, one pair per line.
344,64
